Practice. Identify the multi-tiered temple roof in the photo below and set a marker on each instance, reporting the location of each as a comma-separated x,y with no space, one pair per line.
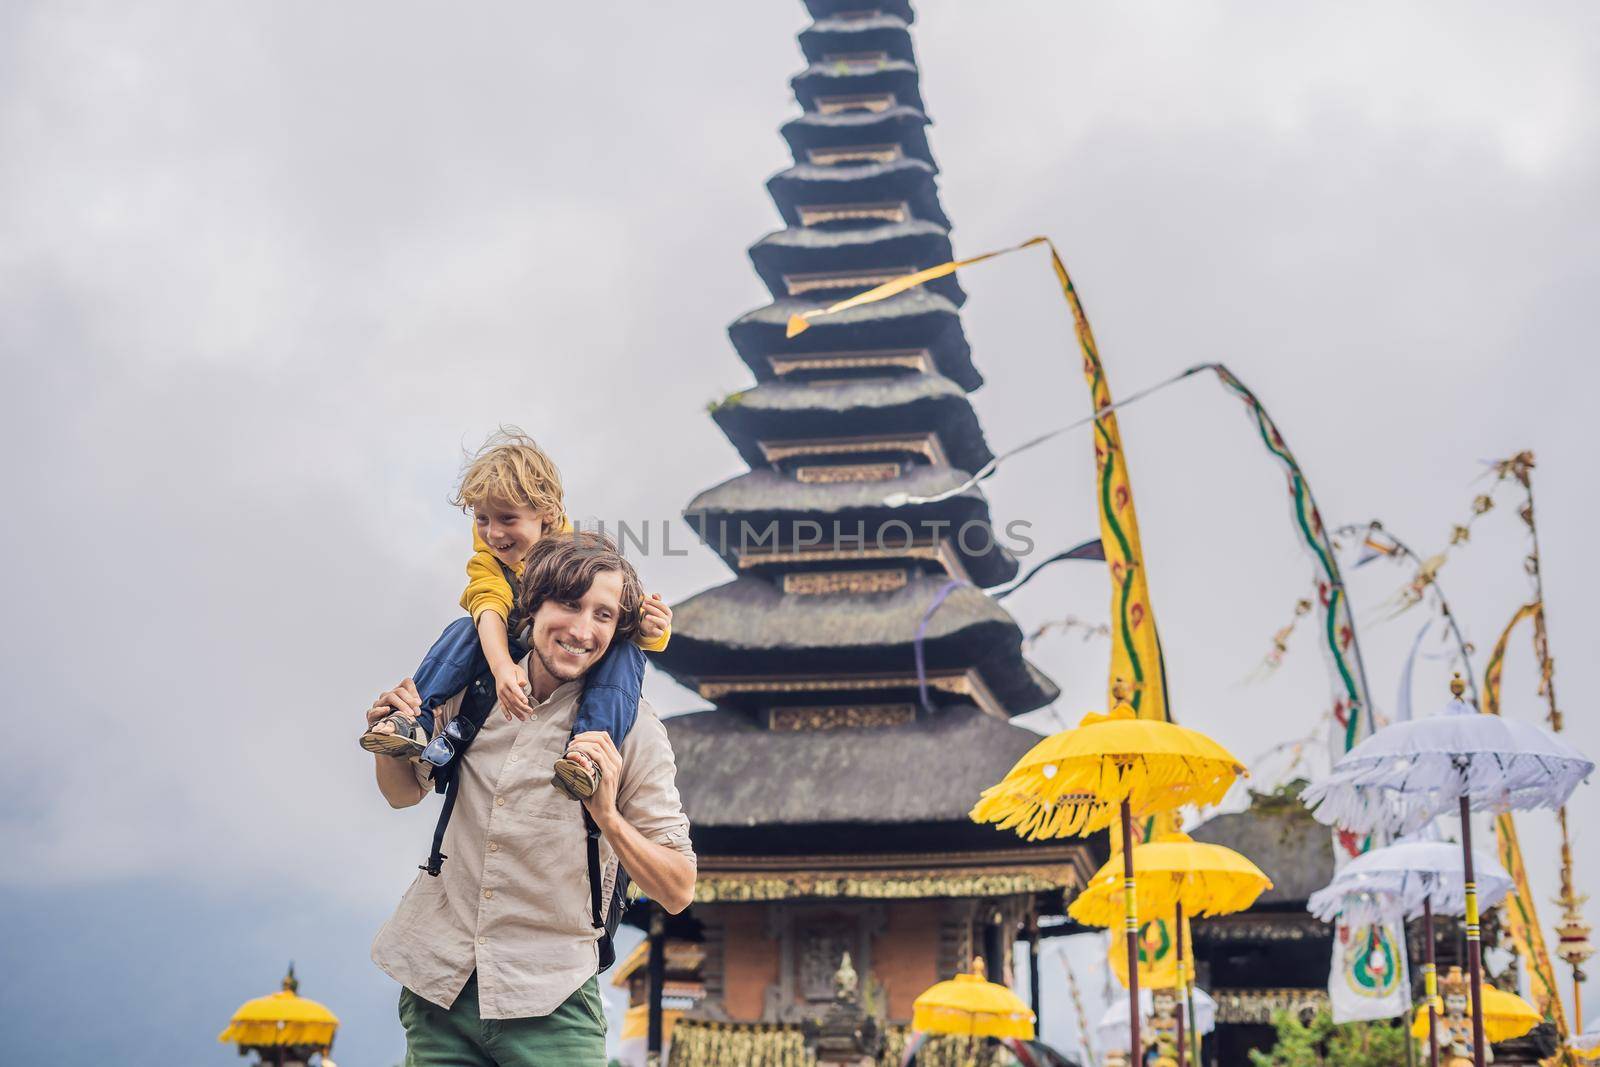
862,682
810,654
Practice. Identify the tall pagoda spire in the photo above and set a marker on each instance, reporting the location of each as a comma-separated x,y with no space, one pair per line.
862,683
832,583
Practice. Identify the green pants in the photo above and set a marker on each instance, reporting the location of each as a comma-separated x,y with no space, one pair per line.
574,1035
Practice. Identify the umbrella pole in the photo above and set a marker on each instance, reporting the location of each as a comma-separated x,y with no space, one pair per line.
1188,996
1430,981
1131,931
1183,985
1474,946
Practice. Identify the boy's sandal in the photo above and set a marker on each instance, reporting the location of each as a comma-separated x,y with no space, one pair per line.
576,779
407,738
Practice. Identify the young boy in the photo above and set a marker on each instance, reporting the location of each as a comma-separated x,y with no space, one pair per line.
514,492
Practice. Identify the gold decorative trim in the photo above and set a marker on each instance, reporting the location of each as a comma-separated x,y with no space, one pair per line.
886,211
874,102
837,473
824,583
709,1043
814,281
883,884
942,552
838,717
847,154
925,445
1261,926
964,683
878,56
1075,854
914,359
1257,1006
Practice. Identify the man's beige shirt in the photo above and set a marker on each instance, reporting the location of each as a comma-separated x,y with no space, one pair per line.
513,901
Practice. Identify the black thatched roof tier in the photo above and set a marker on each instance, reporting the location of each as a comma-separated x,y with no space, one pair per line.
734,773
896,246
901,125
749,627
732,517
844,77
808,184
912,403
916,319
1280,836
853,36
823,9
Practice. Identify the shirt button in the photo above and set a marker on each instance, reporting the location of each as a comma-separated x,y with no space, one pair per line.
494,846
488,894
483,940
515,757
499,802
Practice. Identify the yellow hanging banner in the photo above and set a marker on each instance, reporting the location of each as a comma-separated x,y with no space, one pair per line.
1136,647
1158,954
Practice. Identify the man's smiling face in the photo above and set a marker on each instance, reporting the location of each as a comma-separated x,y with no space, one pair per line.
571,636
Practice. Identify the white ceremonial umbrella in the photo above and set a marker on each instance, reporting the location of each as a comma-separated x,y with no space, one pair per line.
1400,778
1410,877
1112,1029
1413,878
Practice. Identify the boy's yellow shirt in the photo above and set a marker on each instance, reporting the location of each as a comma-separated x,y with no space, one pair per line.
488,590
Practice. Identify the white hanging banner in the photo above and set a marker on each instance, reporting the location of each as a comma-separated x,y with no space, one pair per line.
1368,978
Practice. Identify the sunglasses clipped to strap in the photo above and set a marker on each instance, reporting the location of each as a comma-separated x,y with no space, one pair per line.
450,742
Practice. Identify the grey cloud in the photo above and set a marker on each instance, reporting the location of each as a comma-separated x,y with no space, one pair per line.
265,270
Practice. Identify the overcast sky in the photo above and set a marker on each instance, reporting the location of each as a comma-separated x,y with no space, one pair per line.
266,270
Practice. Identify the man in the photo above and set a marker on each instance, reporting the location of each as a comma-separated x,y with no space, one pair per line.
497,954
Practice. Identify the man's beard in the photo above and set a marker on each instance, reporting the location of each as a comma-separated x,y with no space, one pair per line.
549,668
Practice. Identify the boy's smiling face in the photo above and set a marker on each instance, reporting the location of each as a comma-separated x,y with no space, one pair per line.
510,530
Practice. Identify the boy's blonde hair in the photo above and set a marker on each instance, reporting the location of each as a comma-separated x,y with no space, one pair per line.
513,469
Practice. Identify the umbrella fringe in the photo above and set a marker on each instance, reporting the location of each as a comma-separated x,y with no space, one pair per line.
1202,894
1082,796
1404,794
264,1032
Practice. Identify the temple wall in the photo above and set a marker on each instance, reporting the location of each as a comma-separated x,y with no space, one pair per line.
749,961
905,954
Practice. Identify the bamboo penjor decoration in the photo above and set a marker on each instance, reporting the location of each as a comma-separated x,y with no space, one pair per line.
1574,946
1521,913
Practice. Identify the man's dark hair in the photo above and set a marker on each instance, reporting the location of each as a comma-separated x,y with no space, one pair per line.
562,566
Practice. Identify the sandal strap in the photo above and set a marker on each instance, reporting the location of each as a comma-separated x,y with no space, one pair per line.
404,726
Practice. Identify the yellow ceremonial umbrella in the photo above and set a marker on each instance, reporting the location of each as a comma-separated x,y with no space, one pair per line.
1179,876
1078,781
969,1005
1505,1015
280,1019
1174,871
1073,782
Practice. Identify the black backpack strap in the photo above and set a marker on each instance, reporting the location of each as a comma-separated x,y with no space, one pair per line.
436,858
604,919
476,705
596,890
